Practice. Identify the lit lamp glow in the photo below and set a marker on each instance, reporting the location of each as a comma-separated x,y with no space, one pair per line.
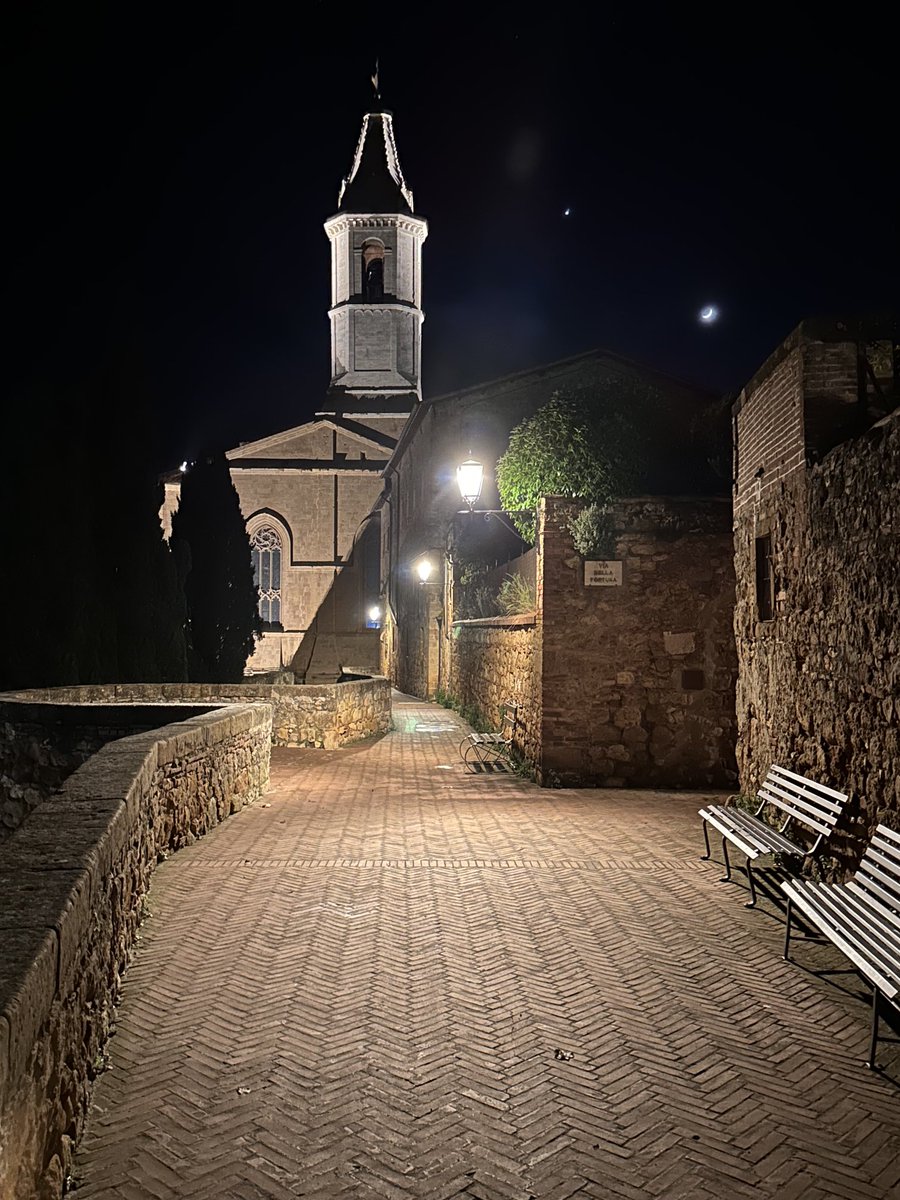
470,478
424,567
374,613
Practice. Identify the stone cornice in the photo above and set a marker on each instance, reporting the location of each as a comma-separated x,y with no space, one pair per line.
516,621
379,306
307,466
340,223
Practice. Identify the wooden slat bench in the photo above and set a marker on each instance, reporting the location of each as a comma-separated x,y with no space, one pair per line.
487,749
861,917
810,805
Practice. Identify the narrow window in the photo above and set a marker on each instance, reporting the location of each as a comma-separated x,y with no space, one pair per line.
765,578
373,272
265,546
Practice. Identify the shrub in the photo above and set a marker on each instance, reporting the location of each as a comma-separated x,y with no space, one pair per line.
592,532
584,443
516,596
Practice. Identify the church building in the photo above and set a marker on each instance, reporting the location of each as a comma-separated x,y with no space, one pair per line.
307,493
338,508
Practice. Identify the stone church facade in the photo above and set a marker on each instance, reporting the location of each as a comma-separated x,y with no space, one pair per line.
307,493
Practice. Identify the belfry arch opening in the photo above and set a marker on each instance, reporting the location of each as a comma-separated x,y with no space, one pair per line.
373,271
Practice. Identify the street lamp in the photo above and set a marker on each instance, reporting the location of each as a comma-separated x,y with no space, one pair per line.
470,478
424,567
374,613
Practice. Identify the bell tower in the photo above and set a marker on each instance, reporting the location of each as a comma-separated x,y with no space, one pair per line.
376,282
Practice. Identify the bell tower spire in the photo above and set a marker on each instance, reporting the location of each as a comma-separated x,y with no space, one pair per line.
376,278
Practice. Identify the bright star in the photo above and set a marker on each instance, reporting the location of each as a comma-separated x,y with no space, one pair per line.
709,314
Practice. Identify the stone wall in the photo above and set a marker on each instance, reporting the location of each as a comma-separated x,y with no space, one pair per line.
819,685
323,715
330,715
638,679
41,745
415,650
629,685
492,661
71,884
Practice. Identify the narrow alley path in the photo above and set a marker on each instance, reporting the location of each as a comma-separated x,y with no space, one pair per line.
391,978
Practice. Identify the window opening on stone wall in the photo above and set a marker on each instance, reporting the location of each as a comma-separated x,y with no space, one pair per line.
765,578
692,679
265,548
373,272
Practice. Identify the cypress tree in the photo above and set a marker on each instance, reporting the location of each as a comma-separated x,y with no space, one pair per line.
210,541
138,596
89,593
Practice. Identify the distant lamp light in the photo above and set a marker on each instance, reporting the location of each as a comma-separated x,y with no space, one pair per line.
424,567
374,613
470,478
183,467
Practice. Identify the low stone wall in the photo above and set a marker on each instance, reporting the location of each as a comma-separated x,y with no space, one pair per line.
332,714
493,661
326,716
71,883
42,744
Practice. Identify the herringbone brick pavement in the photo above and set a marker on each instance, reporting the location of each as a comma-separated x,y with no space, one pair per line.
393,979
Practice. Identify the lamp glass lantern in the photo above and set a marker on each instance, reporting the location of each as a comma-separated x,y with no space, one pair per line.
424,567
470,478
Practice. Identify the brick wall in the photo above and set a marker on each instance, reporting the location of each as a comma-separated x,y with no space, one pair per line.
71,883
768,433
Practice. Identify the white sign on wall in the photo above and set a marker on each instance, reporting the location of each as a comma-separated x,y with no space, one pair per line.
603,574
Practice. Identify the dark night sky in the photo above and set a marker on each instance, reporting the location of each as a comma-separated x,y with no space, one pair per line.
171,170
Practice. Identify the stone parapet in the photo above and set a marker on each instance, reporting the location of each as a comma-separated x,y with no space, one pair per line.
42,743
330,715
72,881
326,716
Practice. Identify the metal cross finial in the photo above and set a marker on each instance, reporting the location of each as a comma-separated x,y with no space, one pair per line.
375,81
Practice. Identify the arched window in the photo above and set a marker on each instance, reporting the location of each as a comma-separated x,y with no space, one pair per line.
265,546
373,271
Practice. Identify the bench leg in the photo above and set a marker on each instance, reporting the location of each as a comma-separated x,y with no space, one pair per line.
705,857
751,903
873,1041
726,878
787,931
471,757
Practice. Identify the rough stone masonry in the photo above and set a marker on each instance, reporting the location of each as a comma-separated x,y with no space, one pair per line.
819,677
